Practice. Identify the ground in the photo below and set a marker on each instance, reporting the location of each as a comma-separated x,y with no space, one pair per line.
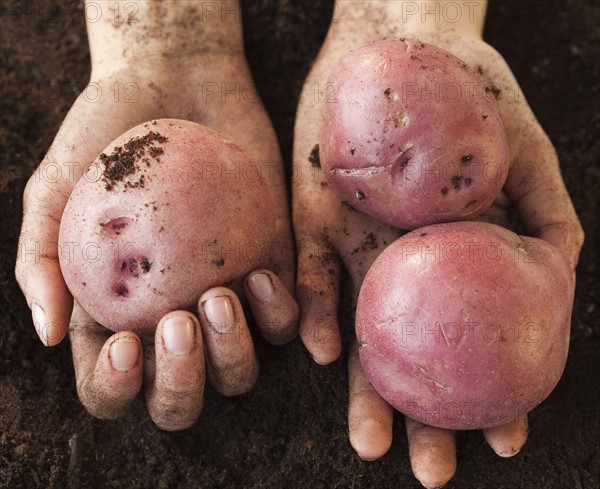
291,429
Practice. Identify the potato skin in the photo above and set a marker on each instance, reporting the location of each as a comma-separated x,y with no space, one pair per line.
465,325
412,136
180,211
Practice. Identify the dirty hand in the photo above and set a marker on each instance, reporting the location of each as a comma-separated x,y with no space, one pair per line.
138,75
331,235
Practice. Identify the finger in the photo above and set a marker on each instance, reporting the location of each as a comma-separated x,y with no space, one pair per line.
318,296
108,367
536,186
508,439
432,453
232,363
37,269
274,309
285,256
176,388
369,416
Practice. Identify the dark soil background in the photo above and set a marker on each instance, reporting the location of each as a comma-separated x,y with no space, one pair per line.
291,430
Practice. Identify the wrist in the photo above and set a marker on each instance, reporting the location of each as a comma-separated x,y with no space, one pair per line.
152,35
415,18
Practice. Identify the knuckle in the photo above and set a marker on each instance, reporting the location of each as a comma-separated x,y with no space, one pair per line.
99,406
579,234
20,275
30,190
173,411
103,401
236,380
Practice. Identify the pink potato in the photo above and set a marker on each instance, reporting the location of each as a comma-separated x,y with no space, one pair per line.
412,136
168,210
465,325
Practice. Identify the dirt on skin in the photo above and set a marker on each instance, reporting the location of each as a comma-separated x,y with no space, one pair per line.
291,429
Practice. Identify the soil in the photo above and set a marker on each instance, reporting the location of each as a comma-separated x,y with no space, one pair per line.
291,429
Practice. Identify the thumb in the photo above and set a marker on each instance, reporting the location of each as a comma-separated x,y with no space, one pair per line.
318,296
37,268
283,255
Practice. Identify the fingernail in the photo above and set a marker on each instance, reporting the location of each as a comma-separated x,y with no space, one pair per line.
219,313
317,362
123,354
179,335
39,321
261,287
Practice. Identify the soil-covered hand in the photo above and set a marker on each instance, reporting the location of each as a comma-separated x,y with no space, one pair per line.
215,90
330,234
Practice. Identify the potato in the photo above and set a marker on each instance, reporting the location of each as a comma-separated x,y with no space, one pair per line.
465,325
168,210
412,136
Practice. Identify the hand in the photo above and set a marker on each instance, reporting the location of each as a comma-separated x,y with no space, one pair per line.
111,367
330,234
121,96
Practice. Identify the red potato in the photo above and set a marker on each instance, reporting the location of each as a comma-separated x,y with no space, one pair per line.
465,325
168,210
412,136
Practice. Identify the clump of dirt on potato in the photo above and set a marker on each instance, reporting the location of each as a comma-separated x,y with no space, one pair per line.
123,160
